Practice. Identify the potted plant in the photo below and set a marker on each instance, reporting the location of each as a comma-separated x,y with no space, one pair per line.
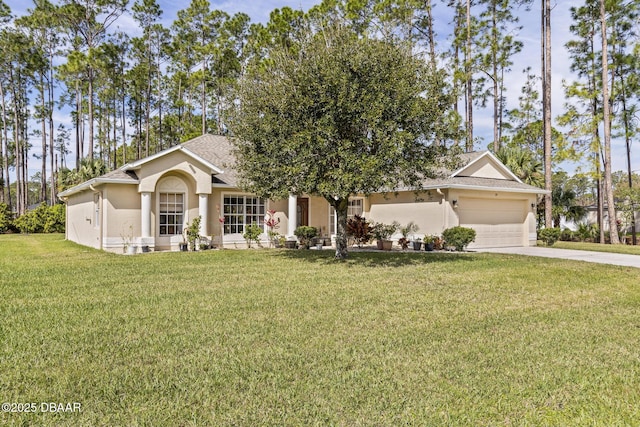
410,228
383,233
127,238
184,246
429,242
438,243
305,234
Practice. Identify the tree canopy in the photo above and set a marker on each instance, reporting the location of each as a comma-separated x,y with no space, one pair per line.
342,114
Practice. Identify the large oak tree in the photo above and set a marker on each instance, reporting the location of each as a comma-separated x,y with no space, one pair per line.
341,114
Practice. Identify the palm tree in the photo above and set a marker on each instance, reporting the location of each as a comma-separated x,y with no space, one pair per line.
564,201
523,164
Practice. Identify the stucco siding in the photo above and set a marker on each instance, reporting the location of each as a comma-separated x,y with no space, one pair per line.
122,214
484,168
82,226
281,207
150,173
319,215
428,211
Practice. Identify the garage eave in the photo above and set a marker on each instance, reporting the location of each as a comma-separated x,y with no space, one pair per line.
532,190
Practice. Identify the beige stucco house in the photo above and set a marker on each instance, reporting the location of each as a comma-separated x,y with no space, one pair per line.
150,202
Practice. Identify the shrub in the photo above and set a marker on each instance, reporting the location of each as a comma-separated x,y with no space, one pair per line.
566,235
459,237
549,235
359,229
252,234
587,232
305,233
43,219
54,219
193,232
6,218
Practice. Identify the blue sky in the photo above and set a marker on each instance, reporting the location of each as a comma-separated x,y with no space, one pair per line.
259,11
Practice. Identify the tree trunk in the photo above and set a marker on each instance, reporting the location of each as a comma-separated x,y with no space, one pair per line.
18,147
147,116
204,98
115,132
469,82
627,134
432,40
90,112
546,110
608,181
79,133
600,207
50,106
494,76
43,129
123,123
341,207
5,154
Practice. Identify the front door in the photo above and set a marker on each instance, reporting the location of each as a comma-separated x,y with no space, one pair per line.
302,213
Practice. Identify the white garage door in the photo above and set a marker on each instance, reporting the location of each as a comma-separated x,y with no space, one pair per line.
498,223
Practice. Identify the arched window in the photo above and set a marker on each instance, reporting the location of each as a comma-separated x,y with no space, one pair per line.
172,202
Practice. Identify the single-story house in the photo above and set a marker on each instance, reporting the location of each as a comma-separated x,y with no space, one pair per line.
151,201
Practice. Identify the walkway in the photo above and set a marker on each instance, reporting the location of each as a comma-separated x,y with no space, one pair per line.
587,256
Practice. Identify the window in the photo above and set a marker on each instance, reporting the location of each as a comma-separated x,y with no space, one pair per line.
240,211
356,207
171,213
96,210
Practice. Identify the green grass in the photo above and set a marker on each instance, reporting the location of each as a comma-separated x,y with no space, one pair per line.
276,337
596,247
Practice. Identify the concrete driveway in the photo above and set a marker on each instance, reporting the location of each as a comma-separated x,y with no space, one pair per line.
587,256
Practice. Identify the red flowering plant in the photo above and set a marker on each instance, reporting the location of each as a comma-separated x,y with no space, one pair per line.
272,224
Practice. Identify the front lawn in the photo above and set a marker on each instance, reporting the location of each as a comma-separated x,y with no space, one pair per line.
597,247
277,337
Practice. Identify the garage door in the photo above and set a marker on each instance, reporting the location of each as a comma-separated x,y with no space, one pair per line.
498,223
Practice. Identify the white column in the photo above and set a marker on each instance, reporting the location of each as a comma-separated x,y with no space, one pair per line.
203,211
293,216
145,213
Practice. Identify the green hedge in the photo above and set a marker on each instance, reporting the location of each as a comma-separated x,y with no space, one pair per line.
43,219
459,237
549,235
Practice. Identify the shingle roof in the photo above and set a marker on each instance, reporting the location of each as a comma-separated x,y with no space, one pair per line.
218,150
120,175
481,183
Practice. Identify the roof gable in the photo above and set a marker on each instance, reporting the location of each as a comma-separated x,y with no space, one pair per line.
485,165
177,148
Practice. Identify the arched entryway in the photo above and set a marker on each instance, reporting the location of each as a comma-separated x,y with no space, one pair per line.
172,199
